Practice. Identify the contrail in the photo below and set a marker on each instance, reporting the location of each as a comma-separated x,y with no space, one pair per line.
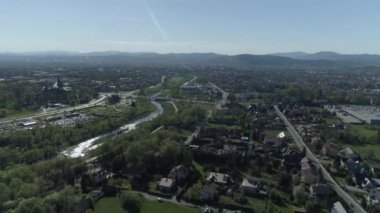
155,21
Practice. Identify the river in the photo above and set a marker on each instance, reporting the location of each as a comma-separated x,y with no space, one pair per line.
84,147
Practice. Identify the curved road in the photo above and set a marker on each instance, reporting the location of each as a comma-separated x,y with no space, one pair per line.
356,207
101,100
92,103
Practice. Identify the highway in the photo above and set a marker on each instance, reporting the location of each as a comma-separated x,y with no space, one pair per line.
99,101
356,207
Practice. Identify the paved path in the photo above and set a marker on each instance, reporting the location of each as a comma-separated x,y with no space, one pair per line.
172,200
157,129
92,103
222,101
192,136
326,175
174,106
355,189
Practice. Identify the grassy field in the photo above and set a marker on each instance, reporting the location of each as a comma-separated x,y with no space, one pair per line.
274,133
331,121
258,205
178,80
369,132
363,148
109,204
199,168
114,205
13,114
166,207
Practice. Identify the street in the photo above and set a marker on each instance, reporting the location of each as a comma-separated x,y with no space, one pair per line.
357,208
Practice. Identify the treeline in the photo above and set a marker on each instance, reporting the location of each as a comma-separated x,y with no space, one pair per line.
157,152
17,95
49,186
42,187
43,143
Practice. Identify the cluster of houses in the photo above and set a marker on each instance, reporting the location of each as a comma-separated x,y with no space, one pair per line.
177,176
222,142
217,183
361,175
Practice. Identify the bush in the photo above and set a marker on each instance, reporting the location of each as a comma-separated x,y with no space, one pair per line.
312,207
131,202
299,194
3,113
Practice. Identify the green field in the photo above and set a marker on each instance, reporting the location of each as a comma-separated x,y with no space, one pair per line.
363,148
178,80
274,133
368,132
113,204
199,168
258,205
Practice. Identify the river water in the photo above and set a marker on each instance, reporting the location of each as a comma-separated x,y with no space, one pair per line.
84,147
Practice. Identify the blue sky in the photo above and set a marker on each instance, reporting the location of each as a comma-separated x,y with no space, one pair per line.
222,26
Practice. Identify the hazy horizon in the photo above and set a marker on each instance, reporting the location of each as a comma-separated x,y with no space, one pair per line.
166,26
153,52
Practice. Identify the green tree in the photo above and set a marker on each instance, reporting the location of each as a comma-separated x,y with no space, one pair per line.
4,193
368,154
299,194
27,190
131,201
194,192
312,207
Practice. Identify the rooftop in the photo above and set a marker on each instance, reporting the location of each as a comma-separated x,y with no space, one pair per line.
218,177
166,182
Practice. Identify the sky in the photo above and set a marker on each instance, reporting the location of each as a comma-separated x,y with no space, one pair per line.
182,26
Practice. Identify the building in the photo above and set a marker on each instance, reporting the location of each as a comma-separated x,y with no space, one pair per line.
330,150
320,191
373,196
218,178
291,157
179,173
97,174
309,171
27,123
347,154
375,169
166,184
298,210
251,185
58,86
357,170
208,193
368,114
338,208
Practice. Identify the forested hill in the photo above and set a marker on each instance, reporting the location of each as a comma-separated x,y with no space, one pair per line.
155,59
333,56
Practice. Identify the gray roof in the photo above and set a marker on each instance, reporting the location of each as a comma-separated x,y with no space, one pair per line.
218,177
338,208
252,183
166,182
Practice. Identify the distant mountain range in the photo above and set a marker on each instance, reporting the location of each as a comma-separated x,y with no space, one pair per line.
333,56
293,59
